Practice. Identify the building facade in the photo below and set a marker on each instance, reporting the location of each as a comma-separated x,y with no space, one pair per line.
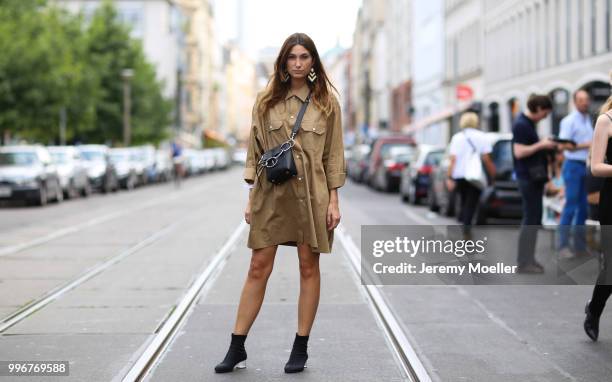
398,29
428,96
553,47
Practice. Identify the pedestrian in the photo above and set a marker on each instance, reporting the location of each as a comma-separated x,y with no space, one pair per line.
531,170
601,166
576,127
554,191
469,141
303,211
177,162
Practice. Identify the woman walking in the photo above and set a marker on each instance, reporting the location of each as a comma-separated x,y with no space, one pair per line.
470,141
302,211
601,166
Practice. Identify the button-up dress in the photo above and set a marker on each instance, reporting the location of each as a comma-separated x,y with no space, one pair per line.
295,211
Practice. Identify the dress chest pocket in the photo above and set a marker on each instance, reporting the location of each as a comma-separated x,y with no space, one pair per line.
313,133
275,132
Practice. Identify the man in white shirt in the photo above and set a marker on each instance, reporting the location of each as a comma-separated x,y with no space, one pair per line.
578,127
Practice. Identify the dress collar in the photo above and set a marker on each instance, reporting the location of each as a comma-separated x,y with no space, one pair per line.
301,93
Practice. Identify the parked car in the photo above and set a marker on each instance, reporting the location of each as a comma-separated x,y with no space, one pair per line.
357,162
415,179
394,158
27,173
239,156
71,170
123,160
196,162
101,171
439,198
379,147
208,159
222,158
502,199
144,161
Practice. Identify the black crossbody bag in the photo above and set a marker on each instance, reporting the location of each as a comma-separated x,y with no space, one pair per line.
278,161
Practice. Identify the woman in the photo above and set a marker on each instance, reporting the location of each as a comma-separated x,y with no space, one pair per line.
462,146
301,212
601,158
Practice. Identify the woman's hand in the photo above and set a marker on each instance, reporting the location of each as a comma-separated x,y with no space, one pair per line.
333,216
247,212
450,185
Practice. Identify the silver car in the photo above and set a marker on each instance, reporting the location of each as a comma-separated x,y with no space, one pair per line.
27,173
123,160
71,170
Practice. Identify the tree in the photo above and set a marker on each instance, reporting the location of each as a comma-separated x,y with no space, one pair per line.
110,50
52,61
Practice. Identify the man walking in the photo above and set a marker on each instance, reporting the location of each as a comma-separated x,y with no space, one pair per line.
578,127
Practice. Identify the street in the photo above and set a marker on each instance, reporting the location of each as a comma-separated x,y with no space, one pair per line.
100,283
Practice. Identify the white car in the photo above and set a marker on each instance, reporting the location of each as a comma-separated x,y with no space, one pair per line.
28,173
71,170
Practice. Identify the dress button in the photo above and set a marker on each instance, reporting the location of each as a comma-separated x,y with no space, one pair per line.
291,116
299,178
313,129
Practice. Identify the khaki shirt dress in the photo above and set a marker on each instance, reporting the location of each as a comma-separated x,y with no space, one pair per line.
295,211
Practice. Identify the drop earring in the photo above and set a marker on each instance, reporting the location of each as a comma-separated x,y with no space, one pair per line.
312,76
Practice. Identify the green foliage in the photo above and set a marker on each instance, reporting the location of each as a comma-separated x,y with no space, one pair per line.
52,60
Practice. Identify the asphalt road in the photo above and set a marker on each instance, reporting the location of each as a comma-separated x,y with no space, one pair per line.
121,263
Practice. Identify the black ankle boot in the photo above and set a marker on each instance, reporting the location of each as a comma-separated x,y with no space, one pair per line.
236,355
298,357
591,323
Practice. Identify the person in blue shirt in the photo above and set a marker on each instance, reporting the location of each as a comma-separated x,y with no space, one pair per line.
529,153
578,127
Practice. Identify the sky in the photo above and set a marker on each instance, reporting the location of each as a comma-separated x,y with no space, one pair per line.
268,22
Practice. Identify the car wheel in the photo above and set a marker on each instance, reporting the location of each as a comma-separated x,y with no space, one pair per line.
414,199
42,196
59,193
71,192
86,191
431,201
130,183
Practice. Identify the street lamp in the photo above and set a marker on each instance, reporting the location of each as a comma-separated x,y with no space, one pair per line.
127,75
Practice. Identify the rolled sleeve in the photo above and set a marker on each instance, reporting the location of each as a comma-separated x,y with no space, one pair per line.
254,149
333,154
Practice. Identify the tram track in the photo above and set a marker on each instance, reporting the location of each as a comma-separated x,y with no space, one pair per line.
167,331
404,353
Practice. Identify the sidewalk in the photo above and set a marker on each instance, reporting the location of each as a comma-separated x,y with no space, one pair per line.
345,344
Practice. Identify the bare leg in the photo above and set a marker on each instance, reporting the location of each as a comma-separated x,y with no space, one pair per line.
254,289
310,287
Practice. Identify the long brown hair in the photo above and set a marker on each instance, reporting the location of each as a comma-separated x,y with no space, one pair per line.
277,90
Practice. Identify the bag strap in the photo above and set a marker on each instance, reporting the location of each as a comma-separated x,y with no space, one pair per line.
608,115
298,121
294,131
470,142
